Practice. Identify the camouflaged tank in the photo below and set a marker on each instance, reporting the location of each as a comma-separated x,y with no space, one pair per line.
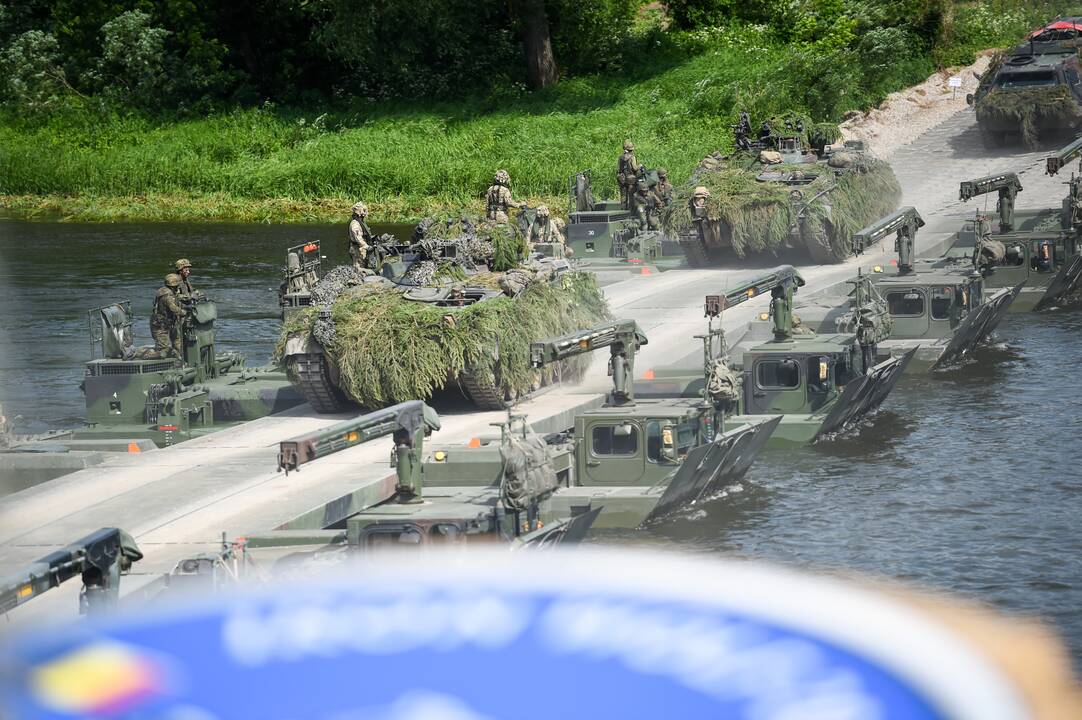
1034,88
778,196
458,305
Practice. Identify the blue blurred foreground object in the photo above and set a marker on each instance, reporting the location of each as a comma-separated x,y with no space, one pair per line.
590,633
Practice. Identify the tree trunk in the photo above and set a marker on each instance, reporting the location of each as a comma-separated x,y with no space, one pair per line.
537,43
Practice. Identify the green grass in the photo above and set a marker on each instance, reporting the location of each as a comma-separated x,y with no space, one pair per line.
274,165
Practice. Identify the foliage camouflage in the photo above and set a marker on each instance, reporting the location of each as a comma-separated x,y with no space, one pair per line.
483,238
1030,109
390,349
760,214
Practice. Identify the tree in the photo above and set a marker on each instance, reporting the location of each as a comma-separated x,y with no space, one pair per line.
537,44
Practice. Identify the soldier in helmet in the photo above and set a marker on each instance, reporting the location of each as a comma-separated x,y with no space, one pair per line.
698,202
360,235
641,201
627,174
165,318
184,269
545,228
498,199
664,187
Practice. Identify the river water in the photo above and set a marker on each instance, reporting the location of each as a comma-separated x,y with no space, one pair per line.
967,481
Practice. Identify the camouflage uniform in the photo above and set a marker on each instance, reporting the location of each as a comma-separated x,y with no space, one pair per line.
664,187
698,202
360,236
498,199
627,174
185,287
545,228
643,205
165,318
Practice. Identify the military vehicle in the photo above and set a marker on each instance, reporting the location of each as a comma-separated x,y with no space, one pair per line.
413,321
136,401
941,312
1038,248
603,232
777,196
820,383
1032,89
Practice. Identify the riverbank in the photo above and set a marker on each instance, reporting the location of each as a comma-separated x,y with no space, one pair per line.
272,164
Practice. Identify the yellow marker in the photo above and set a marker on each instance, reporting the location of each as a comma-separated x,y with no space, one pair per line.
439,456
751,292
877,268
24,591
584,344
764,316
822,370
353,436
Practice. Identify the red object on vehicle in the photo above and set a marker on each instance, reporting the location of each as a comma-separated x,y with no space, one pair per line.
1058,25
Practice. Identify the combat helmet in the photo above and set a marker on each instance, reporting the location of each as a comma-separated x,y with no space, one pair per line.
502,178
172,280
542,211
628,145
662,173
182,263
701,192
360,209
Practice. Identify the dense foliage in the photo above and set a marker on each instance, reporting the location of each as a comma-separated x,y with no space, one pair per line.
279,109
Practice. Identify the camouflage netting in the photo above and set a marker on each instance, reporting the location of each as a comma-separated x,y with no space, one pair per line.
1029,110
528,470
479,237
760,214
815,135
390,349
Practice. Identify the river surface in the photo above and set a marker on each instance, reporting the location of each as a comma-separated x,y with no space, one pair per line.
967,480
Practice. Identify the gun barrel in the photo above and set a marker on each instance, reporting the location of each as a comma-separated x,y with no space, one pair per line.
301,449
1055,162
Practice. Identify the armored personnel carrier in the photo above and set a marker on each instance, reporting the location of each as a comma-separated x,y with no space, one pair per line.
1032,89
456,306
1039,249
778,196
819,383
603,232
940,312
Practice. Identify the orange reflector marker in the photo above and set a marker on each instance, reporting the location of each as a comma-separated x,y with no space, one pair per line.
474,443
893,261
134,448
751,292
648,375
353,436
311,246
645,270
634,260
24,591
167,427
584,344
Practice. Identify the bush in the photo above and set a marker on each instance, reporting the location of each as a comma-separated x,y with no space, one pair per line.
34,81
131,70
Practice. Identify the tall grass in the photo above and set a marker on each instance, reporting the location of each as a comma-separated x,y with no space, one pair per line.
407,161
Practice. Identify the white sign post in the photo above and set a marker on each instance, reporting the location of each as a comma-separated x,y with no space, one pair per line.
954,82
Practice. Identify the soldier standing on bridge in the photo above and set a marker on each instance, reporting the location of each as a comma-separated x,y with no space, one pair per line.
184,269
664,187
360,236
498,199
165,319
627,175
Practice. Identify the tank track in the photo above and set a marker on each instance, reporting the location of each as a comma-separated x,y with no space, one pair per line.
485,396
311,376
694,251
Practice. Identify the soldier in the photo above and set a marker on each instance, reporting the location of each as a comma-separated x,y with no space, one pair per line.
627,174
360,236
545,228
498,199
640,204
698,202
742,130
184,269
664,187
165,318
766,134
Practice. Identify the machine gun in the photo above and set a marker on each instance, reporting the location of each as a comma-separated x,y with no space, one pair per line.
905,222
1056,162
99,559
1007,184
409,422
622,337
